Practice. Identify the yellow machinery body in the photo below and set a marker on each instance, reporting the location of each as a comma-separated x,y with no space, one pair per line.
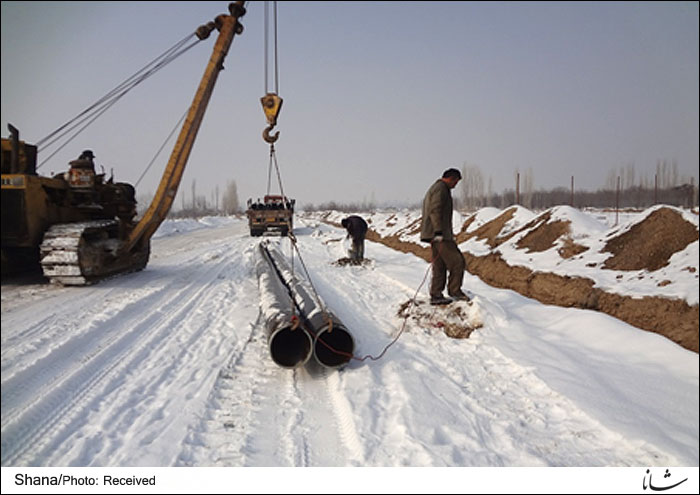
33,205
79,227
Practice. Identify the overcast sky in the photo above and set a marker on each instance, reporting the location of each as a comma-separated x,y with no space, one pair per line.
379,97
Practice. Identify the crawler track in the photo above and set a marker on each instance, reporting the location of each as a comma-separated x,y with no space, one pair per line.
84,252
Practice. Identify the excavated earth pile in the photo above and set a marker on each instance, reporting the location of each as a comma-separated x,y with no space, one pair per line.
646,246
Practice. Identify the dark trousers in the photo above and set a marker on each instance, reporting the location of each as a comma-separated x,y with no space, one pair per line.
357,252
446,257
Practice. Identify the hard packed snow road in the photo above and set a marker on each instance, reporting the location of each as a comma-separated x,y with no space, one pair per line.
170,367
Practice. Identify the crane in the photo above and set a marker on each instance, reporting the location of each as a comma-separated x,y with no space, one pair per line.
80,227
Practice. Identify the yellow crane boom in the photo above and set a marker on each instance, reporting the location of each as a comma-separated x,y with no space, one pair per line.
228,26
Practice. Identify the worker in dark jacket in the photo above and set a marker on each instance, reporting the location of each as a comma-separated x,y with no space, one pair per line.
357,229
436,228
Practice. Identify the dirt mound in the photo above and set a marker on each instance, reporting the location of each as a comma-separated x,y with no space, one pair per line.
542,233
649,244
674,319
570,248
542,236
490,230
462,235
412,228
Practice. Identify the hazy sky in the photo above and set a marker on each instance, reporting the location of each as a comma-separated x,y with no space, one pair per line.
379,97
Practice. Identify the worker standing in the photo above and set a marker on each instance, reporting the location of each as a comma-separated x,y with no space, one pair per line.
357,229
436,228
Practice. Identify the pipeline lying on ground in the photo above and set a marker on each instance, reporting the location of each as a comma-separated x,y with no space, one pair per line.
289,346
333,345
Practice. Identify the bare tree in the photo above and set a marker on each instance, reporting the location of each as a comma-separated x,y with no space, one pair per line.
528,187
611,180
194,196
230,198
472,187
629,176
489,194
674,174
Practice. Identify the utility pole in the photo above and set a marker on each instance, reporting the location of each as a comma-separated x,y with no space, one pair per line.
572,191
617,201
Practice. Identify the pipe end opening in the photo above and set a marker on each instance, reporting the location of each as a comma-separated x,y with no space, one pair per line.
290,348
334,349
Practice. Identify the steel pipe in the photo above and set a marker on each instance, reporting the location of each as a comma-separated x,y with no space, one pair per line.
289,343
333,344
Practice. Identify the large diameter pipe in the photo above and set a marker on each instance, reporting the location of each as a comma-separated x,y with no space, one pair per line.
289,343
333,344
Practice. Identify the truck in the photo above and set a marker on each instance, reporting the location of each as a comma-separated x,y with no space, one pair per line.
275,214
80,227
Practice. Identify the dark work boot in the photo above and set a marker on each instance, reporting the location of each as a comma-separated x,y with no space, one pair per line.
460,296
439,300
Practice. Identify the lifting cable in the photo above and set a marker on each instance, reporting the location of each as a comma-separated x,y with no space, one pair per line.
95,110
272,103
150,164
267,49
393,341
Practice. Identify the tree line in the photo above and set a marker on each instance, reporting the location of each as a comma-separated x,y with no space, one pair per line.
622,189
196,205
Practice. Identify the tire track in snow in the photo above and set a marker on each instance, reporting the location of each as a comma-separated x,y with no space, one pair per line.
252,413
28,386
270,440
293,418
64,400
181,381
264,415
219,438
67,327
57,324
344,420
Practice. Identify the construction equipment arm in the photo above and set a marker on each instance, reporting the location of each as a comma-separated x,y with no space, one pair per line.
228,27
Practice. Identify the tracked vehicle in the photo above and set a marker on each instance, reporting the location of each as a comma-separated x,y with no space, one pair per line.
80,227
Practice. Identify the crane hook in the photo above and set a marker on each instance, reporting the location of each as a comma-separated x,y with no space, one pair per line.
267,137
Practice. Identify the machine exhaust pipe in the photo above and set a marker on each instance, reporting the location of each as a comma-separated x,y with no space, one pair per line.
333,344
289,343
14,143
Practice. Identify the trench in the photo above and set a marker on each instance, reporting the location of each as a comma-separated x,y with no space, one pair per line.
675,319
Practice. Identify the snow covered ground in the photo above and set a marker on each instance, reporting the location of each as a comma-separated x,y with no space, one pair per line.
170,367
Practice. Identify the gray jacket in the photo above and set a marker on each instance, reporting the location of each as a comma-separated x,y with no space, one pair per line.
437,212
